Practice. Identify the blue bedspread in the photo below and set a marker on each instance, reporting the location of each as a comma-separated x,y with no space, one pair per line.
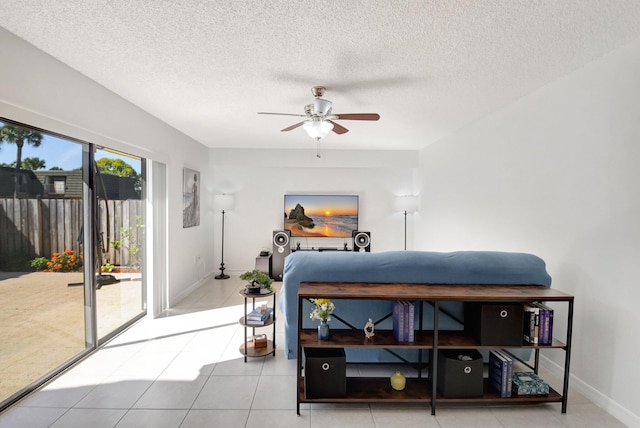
460,267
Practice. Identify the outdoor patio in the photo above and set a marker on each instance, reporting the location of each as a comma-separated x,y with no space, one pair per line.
42,319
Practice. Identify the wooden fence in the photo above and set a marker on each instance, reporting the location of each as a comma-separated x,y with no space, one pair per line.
32,228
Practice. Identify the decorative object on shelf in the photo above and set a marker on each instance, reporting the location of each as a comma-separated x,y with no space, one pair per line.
321,312
529,383
224,203
369,329
260,341
323,331
398,381
257,281
407,204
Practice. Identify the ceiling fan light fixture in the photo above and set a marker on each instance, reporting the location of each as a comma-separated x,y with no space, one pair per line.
317,129
321,107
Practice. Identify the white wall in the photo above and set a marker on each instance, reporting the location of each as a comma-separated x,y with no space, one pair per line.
40,91
554,174
259,179
557,174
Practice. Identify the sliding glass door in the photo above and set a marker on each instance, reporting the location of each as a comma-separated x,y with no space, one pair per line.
60,199
120,221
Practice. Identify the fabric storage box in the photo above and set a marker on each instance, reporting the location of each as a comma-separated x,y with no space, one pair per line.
325,372
494,323
460,373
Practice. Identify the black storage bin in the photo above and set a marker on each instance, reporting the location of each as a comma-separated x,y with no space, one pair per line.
459,376
325,373
494,323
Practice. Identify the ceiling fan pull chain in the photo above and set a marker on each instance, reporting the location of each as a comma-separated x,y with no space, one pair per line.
318,148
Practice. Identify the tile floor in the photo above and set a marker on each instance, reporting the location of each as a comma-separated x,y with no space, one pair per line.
185,370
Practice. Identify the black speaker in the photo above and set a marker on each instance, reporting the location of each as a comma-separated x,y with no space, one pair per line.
281,249
361,241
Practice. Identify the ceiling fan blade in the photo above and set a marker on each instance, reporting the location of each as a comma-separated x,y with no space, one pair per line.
358,116
337,128
283,114
292,126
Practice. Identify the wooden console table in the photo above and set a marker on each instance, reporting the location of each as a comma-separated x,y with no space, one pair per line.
369,389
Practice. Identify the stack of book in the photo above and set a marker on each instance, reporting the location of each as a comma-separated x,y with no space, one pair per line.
538,324
259,316
403,321
501,372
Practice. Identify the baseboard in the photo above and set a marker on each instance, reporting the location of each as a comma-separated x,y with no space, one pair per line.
599,399
177,299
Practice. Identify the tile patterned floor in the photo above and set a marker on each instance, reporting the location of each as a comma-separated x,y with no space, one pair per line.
184,370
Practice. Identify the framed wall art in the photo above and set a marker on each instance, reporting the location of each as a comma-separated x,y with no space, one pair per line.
190,198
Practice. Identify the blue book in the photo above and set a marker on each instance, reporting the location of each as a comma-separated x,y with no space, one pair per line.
546,324
498,372
405,323
509,379
411,319
398,321
258,317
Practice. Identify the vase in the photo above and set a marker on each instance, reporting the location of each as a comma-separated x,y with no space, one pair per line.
398,381
323,331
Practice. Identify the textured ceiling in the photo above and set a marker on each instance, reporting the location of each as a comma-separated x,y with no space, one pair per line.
206,67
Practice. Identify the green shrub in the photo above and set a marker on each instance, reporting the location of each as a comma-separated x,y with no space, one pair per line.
39,263
107,267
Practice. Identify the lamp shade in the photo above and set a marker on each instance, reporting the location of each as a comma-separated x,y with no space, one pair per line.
317,128
407,203
223,202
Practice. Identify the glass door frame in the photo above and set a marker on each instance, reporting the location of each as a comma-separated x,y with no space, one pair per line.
90,245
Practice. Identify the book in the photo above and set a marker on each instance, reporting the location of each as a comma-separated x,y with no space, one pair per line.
259,307
531,324
405,323
541,327
258,317
509,380
550,329
259,313
498,372
546,324
398,321
411,321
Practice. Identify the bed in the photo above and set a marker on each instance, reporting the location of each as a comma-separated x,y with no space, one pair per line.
421,267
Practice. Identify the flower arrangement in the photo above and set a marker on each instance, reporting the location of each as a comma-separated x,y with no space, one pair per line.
323,308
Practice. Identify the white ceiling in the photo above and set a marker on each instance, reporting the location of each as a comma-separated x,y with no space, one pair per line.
429,68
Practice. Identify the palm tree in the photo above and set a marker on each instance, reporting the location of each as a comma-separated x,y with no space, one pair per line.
33,164
18,135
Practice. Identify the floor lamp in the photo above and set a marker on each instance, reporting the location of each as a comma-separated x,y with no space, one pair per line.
406,204
225,203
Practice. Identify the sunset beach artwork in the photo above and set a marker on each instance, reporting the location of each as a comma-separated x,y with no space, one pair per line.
327,216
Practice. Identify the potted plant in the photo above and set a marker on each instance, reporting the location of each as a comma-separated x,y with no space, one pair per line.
257,281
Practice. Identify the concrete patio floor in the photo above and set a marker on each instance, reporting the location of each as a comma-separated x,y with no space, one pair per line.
42,321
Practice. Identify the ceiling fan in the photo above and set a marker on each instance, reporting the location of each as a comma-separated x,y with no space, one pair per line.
319,119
